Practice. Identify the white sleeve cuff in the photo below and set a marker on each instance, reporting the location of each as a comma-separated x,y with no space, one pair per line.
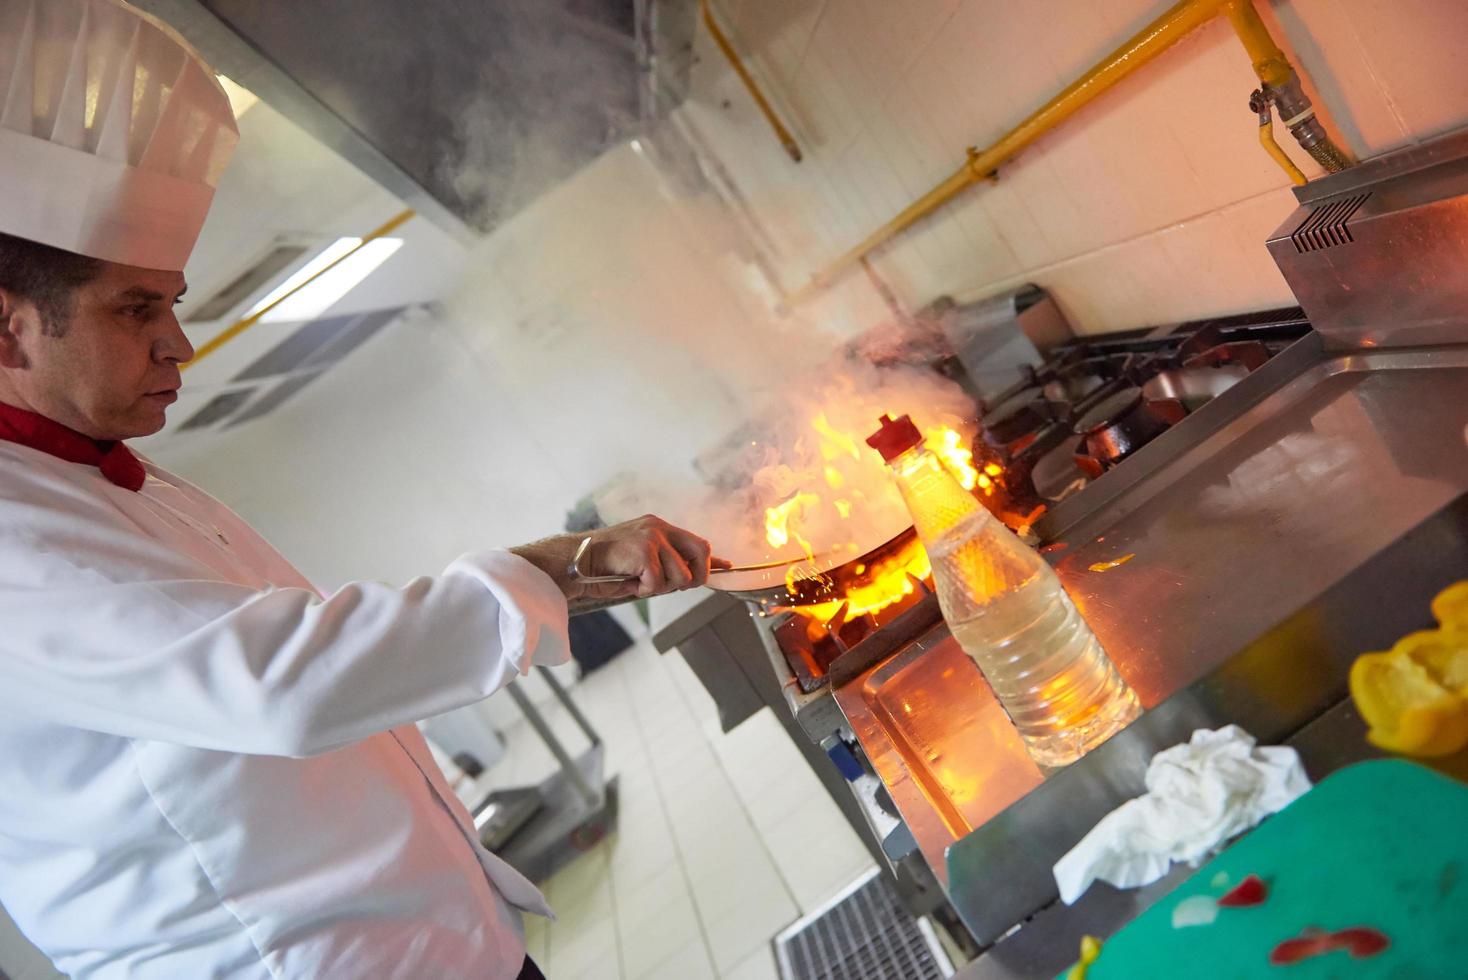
533,620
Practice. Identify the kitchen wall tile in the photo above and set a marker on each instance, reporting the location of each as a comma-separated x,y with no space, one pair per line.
831,69
1254,279
1426,84
780,26
1172,144
1010,213
990,255
878,40
1195,248
1339,67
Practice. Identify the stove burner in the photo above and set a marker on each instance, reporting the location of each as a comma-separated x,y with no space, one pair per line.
1120,425
1016,418
819,651
1179,368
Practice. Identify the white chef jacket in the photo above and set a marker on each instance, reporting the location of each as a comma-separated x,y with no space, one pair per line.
207,769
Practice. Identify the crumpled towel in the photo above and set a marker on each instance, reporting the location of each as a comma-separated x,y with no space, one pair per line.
1199,795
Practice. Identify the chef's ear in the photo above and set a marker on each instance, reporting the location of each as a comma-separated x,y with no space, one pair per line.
13,309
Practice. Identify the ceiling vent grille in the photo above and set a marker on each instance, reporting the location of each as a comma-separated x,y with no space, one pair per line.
245,284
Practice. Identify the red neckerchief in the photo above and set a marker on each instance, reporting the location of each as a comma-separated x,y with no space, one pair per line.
115,460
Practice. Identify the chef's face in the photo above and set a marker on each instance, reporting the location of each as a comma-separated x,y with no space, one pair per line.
109,370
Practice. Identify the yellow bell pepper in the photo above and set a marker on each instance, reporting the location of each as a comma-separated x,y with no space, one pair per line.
1415,696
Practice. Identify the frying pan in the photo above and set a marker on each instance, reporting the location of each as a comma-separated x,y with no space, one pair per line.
829,577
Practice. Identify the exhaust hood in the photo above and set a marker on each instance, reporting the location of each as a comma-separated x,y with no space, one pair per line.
465,109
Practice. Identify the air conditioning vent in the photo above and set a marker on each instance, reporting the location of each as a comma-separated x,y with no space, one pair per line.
1326,225
244,285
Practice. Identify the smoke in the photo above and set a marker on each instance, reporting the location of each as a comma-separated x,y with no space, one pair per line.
805,451
557,87
631,309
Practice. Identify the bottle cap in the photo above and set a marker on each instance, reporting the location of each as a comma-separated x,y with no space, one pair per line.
895,437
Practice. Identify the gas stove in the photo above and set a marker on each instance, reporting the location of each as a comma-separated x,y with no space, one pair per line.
1091,403
1069,419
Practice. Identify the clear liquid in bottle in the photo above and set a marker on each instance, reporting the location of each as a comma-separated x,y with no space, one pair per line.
1008,611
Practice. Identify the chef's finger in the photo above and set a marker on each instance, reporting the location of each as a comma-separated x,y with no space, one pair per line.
720,563
695,551
650,580
676,573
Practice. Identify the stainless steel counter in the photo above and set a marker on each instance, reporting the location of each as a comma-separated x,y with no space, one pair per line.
1268,553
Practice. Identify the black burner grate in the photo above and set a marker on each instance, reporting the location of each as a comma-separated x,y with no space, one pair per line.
865,935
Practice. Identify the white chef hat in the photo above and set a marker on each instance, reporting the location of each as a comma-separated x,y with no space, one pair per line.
113,132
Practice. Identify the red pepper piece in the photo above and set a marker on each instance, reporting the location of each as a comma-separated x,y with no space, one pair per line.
1250,891
1302,948
1361,941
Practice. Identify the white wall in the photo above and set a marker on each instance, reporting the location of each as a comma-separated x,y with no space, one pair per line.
392,464
1152,205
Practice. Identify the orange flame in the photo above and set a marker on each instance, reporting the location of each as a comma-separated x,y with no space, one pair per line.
948,446
892,580
777,519
886,583
834,443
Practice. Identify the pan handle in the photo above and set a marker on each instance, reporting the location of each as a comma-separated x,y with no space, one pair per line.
576,573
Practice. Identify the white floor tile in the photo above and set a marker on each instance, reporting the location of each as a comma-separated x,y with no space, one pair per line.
590,944
654,932
692,962
759,965
583,879
769,806
816,865
536,932
704,868
747,925
635,905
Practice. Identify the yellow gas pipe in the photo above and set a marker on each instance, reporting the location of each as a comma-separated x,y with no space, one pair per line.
1259,102
240,326
786,139
1269,62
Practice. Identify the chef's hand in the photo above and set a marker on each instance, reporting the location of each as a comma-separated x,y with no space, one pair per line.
656,556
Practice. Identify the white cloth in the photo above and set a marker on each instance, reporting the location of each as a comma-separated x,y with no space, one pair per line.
209,770
1199,795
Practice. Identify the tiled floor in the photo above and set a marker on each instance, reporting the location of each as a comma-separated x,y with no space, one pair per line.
723,839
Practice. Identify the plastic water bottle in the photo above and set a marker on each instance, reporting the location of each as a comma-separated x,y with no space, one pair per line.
1008,611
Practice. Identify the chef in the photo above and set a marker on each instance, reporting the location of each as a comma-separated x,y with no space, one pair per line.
207,767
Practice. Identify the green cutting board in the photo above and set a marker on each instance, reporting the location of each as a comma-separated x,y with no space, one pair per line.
1381,844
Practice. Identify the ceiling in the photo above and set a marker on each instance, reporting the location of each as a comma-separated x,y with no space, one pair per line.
466,109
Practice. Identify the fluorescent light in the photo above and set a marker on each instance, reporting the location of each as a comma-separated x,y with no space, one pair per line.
319,261
240,98
320,295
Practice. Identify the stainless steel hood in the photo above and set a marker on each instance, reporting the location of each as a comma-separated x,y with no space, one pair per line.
466,110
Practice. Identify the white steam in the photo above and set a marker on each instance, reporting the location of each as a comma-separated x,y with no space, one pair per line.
811,442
